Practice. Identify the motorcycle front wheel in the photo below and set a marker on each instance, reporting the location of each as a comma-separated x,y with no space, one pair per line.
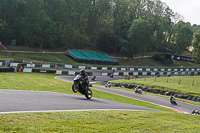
88,94
73,89
174,103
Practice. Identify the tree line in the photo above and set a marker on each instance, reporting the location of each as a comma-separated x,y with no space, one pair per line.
118,27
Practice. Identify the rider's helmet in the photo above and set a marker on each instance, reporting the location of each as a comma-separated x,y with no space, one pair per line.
82,72
108,82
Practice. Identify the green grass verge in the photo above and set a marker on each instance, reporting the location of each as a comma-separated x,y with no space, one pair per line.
185,84
151,62
25,48
100,121
56,58
32,81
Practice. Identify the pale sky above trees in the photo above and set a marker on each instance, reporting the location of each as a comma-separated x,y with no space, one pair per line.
189,9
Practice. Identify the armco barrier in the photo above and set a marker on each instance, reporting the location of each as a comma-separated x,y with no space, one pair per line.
151,73
127,68
115,74
118,71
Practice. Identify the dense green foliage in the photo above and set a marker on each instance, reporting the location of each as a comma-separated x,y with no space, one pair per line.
162,58
106,25
139,35
196,45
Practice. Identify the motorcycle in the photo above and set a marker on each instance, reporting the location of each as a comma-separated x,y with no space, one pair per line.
82,87
108,85
137,90
195,112
173,101
93,78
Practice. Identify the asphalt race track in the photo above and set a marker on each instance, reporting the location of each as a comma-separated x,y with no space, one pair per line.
182,107
15,101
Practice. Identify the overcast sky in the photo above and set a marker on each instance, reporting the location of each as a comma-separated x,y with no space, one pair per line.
189,9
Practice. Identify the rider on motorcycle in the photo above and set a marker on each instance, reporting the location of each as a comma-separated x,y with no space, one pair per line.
172,99
81,84
137,90
83,75
108,84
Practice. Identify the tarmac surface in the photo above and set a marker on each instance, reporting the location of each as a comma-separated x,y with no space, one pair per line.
18,101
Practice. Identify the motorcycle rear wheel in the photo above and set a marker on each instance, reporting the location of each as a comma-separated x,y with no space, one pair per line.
88,94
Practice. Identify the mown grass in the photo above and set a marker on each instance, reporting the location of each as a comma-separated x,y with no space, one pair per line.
32,81
25,48
151,62
100,121
40,57
185,84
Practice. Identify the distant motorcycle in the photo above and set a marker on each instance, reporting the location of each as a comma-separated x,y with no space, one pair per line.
111,76
137,90
93,78
195,112
82,86
173,101
108,85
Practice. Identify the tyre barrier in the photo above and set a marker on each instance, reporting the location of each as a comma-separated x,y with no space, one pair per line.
7,69
156,91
